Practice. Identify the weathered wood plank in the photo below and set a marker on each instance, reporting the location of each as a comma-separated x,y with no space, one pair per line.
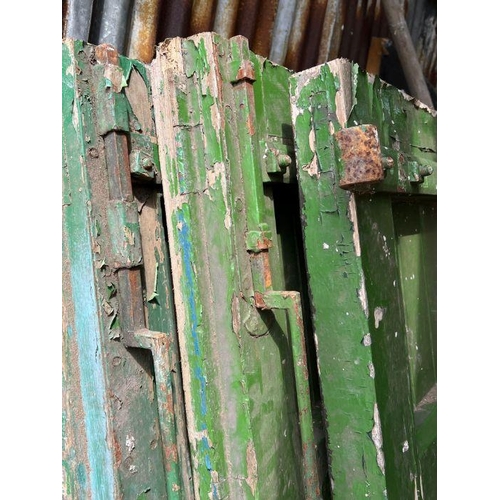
351,249
211,97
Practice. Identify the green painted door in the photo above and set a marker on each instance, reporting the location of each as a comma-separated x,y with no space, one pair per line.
225,140
123,412
366,163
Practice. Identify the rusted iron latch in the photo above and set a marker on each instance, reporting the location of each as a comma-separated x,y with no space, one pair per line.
115,113
361,159
362,165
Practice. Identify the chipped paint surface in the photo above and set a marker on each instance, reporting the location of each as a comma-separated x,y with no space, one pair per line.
84,299
376,435
326,101
209,139
329,210
378,315
120,383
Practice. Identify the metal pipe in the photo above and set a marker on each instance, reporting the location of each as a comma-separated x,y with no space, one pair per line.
406,51
247,20
297,34
143,30
263,32
110,23
281,31
340,15
313,33
201,18
225,17
79,19
174,19
331,21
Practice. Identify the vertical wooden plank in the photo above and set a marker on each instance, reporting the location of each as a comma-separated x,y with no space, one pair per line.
337,290
355,277
91,472
237,360
389,344
113,447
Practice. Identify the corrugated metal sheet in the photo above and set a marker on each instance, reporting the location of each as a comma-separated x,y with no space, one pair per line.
298,34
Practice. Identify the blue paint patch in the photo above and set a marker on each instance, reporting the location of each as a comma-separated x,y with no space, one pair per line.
81,475
100,481
185,243
203,386
186,249
90,365
208,463
215,494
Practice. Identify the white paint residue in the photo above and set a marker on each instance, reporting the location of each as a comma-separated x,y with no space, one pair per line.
406,447
74,118
296,111
362,295
385,248
376,435
312,141
312,169
341,68
326,246
367,340
214,174
354,219
130,443
115,75
378,314
316,344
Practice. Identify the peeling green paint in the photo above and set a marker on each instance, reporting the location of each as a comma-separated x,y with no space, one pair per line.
112,430
355,289
242,420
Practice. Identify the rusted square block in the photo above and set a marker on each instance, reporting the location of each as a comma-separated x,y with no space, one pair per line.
361,156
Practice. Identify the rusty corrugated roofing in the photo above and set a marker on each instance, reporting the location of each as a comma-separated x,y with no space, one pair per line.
298,34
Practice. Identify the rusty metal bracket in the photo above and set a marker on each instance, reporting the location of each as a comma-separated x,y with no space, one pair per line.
363,165
114,114
361,159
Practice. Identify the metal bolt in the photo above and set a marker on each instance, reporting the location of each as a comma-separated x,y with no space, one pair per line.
387,162
147,163
425,170
284,161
